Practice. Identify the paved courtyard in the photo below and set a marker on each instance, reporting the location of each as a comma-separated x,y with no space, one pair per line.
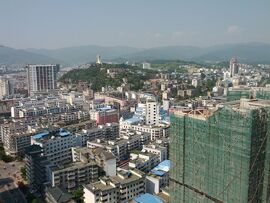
9,177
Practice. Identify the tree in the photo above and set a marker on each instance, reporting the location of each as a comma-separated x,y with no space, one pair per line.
22,187
23,173
3,156
35,201
78,195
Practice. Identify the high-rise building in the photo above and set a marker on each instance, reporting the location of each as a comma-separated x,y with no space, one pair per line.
152,113
41,78
146,65
35,165
56,144
221,155
4,87
234,69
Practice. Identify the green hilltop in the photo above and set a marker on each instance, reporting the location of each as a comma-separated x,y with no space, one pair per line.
97,76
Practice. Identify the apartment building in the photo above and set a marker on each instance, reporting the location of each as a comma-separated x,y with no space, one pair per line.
121,147
56,144
117,189
105,160
71,176
159,150
15,137
105,115
108,131
156,132
41,78
143,161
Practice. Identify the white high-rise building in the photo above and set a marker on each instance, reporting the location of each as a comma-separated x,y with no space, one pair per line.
146,65
152,113
234,69
41,78
4,87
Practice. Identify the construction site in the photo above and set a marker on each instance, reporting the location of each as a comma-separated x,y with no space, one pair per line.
237,93
222,154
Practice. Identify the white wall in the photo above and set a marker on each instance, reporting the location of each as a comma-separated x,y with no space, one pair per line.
110,167
152,185
89,197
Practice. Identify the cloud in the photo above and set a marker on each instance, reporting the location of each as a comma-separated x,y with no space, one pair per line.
233,29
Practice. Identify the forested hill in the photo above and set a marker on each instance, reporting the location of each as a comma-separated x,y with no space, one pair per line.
97,76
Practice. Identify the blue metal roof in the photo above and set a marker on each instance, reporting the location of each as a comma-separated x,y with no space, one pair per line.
147,198
63,132
41,135
162,168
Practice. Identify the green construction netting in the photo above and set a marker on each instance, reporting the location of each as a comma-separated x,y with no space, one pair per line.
224,158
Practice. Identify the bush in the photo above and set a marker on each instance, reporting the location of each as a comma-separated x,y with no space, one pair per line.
3,156
23,173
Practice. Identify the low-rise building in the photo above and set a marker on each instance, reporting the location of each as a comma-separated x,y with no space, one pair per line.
120,188
71,176
57,195
143,161
161,151
105,160
108,131
158,178
105,115
15,137
156,131
121,147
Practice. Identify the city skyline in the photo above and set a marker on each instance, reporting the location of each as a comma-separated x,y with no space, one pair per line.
136,24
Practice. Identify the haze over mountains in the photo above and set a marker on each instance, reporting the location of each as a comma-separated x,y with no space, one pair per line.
245,52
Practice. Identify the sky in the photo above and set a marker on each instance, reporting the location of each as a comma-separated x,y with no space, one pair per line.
56,24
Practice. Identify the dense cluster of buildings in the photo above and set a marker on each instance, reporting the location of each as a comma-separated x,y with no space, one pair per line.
166,144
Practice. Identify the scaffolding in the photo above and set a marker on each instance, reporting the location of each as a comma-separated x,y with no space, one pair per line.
257,92
221,156
238,94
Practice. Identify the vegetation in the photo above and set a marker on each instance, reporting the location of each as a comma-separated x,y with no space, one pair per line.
78,195
23,173
97,76
3,156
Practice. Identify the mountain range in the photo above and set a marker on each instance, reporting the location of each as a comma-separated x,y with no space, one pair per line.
245,52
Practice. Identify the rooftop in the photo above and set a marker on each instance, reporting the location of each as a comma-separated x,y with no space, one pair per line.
49,134
162,168
59,195
146,198
242,105
71,166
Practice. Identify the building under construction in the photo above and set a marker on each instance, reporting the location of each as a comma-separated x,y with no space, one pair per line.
237,93
221,154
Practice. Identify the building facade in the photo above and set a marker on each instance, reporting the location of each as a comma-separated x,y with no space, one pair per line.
41,78
56,144
121,188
